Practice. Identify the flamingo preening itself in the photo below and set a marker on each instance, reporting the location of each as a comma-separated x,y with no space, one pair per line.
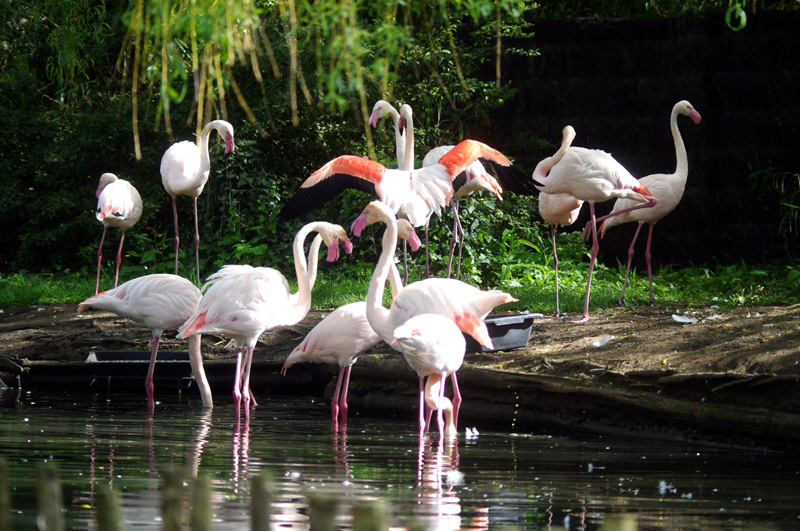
159,302
118,205
592,175
243,302
185,167
666,187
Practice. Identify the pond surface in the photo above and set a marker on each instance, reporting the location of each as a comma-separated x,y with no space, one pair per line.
487,480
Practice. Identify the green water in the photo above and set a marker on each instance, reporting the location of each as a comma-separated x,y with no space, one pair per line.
486,481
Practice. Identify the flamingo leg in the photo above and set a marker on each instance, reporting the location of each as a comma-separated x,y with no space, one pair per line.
343,400
440,409
456,400
196,241
148,381
405,263
456,224
630,259
595,248
100,259
647,258
335,399
119,257
422,422
555,265
427,256
177,236
237,390
460,247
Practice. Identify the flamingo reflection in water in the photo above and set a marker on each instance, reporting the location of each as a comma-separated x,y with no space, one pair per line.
438,505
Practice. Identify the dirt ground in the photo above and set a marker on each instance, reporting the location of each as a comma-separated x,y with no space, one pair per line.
747,357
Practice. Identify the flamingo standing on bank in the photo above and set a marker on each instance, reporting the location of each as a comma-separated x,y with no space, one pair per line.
244,301
159,302
118,205
473,178
557,209
434,347
666,187
461,303
344,335
593,175
184,171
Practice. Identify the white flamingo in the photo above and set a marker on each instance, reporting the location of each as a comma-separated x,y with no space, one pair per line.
666,187
184,171
243,302
118,205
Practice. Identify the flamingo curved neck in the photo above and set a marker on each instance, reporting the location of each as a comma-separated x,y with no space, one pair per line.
301,301
544,167
407,163
377,315
682,161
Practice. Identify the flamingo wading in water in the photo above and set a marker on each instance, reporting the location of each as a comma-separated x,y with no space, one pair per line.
666,187
118,205
159,302
461,303
434,347
344,335
184,171
244,301
592,175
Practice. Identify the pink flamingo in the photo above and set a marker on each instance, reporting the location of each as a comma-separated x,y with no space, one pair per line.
403,123
473,178
593,175
414,195
666,187
344,335
118,205
244,301
159,302
557,209
184,171
434,347
461,303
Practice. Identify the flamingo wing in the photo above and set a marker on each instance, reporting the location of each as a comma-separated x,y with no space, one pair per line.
341,173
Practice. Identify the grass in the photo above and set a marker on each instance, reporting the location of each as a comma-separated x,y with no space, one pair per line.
724,286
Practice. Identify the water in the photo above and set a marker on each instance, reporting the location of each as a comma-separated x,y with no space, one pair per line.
486,481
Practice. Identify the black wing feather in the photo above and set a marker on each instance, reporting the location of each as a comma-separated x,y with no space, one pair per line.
513,179
307,199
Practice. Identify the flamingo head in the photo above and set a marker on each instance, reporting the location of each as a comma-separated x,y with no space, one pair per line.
105,180
379,110
687,109
332,235
406,231
567,135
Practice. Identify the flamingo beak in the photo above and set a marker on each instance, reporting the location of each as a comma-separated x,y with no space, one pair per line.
414,241
333,251
359,224
230,147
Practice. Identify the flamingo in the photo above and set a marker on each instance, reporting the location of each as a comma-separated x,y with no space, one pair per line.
118,205
666,187
557,209
159,302
593,175
473,178
184,171
244,301
434,347
461,303
404,143
414,195
344,335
